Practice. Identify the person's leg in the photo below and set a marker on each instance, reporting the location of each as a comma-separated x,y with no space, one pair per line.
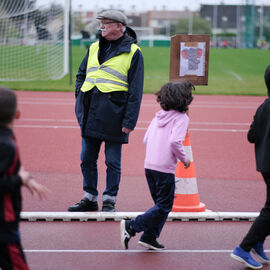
89,155
12,257
260,229
113,162
162,187
256,235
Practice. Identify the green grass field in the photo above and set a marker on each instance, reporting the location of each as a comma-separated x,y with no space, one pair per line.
39,61
231,72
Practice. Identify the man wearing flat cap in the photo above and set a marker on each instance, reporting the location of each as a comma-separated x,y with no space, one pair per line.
109,87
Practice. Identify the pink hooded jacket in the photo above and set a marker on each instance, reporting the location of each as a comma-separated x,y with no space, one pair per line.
163,140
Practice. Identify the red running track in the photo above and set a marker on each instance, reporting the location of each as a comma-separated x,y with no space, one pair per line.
49,140
96,245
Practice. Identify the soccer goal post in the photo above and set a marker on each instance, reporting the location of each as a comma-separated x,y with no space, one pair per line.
33,40
144,33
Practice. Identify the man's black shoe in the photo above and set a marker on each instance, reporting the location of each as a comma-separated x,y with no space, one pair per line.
83,205
108,206
150,244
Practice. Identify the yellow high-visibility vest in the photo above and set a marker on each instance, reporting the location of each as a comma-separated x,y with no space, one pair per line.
111,75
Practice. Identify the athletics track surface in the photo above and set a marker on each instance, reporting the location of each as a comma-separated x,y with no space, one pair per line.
49,141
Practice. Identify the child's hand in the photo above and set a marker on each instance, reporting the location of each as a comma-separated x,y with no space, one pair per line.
32,185
186,163
25,176
36,188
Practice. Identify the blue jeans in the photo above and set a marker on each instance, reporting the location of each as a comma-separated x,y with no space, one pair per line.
89,156
162,187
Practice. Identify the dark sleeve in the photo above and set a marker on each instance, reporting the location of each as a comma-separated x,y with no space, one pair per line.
7,183
251,133
80,77
135,91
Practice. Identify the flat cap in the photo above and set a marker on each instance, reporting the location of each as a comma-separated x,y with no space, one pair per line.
114,15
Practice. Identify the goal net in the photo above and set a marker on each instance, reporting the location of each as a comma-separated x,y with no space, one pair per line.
144,33
33,40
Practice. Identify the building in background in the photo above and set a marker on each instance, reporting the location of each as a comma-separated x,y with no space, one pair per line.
160,20
240,26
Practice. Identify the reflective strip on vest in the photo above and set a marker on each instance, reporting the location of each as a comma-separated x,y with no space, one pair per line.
110,71
111,75
104,81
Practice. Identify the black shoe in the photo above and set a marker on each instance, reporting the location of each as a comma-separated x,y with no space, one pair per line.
126,232
83,205
151,244
108,206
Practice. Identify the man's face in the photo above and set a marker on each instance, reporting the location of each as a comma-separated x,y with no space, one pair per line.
110,30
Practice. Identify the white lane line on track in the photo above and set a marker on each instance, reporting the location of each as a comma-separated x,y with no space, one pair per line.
47,120
128,251
208,130
45,99
227,102
147,102
208,105
46,103
124,251
218,130
219,123
46,126
139,122
137,128
214,106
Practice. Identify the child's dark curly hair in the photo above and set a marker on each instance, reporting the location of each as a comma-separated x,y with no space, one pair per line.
175,96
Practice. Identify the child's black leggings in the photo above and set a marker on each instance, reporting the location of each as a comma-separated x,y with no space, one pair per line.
260,229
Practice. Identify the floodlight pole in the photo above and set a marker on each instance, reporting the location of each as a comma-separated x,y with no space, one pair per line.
190,22
250,24
215,24
66,37
70,43
261,22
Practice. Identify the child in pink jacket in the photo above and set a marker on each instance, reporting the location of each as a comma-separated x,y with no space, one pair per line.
163,140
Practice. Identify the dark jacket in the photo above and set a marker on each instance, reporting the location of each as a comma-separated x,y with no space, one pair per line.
102,115
10,187
259,131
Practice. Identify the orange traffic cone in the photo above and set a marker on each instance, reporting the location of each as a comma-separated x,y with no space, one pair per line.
186,191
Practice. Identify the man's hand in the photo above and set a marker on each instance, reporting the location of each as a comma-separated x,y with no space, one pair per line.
126,130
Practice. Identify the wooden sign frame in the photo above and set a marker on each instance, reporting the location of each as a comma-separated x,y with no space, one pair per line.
189,58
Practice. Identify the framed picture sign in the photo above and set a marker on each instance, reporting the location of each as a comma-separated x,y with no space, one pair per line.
189,58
